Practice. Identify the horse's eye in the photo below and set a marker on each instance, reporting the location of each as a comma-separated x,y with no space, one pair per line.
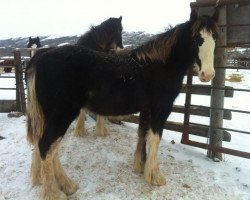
214,35
199,40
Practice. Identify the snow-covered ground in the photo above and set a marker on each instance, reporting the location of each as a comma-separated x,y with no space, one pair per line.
103,166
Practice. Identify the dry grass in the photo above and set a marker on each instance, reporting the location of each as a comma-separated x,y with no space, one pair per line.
235,78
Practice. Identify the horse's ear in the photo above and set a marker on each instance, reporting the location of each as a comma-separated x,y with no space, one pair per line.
38,39
216,14
30,39
193,15
120,18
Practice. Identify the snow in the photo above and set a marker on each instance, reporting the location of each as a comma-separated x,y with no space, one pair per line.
103,166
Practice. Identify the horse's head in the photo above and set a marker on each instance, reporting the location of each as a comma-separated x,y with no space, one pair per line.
204,34
113,28
34,43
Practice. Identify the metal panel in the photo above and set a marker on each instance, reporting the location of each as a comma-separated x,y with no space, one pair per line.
235,32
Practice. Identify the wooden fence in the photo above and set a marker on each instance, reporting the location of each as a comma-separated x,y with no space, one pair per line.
19,103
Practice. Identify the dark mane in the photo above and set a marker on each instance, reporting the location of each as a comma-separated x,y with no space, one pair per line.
99,36
155,49
160,46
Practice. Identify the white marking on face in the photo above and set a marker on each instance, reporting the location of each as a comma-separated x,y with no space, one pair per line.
206,56
33,46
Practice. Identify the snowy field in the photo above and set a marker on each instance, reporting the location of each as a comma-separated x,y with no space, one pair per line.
103,166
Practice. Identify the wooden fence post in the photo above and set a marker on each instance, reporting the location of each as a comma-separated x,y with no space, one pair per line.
217,95
20,95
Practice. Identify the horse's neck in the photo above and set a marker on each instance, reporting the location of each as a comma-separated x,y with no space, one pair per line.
179,58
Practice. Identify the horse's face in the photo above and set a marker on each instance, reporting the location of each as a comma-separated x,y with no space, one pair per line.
116,40
34,43
204,33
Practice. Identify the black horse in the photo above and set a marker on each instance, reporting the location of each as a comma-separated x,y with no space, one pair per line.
146,80
34,43
103,37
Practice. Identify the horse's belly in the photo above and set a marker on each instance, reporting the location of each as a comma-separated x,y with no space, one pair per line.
115,104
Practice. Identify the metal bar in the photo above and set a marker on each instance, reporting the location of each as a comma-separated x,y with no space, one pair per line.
220,88
6,65
219,128
7,88
200,111
218,149
228,67
7,76
241,44
212,3
185,134
224,109
232,25
205,90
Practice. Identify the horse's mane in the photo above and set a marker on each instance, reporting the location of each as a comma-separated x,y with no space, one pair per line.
159,47
100,33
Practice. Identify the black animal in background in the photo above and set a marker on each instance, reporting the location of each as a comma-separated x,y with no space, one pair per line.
34,43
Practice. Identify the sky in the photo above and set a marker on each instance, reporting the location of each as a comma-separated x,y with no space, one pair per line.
24,18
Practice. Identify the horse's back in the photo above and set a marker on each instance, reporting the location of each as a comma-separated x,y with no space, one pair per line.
76,75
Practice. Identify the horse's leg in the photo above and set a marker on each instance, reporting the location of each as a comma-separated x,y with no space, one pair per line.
51,168
80,124
51,190
36,166
65,183
152,172
101,128
140,152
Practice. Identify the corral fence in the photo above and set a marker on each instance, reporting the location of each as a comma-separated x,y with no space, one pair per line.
234,31
17,63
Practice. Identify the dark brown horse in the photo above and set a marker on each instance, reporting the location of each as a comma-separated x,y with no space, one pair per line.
145,80
103,37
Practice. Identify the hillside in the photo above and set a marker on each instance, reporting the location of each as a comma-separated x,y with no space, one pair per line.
7,46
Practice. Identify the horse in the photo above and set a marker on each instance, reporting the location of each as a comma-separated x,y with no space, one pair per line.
147,80
34,43
104,37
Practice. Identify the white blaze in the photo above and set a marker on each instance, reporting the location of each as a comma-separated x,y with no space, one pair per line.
206,56
33,46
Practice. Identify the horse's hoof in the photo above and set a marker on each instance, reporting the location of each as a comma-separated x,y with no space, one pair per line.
102,133
79,133
58,195
70,188
36,181
154,177
138,166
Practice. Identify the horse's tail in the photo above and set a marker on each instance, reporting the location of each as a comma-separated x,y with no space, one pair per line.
35,117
